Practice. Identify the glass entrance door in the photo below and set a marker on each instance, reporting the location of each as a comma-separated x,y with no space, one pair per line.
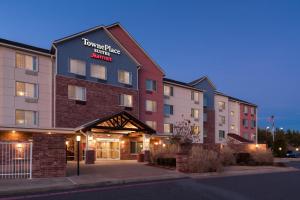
107,149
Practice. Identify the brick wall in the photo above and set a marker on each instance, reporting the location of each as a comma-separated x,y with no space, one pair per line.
14,137
125,148
101,101
48,155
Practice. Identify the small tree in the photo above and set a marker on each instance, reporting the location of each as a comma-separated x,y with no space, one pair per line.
280,145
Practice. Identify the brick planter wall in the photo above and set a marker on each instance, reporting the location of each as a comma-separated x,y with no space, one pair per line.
48,155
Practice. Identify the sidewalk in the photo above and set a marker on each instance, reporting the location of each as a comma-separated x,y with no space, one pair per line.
127,173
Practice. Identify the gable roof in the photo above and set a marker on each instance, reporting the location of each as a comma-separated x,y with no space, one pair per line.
235,99
18,45
179,83
140,47
201,79
93,30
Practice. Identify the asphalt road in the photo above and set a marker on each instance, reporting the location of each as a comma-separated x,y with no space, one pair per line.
274,186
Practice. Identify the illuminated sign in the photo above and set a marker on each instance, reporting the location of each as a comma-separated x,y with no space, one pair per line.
101,51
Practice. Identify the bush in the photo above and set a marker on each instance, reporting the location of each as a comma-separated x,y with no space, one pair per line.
243,158
201,160
170,162
227,156
262,157
156,152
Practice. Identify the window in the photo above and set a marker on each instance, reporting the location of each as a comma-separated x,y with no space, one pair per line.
221,135
168,91
222,119
26,117
195,130
168,109
77,67
168,128
76,93
152,124
150,85
98,71
221,105
204,117
253,123
124,77
26,90
195,113
125,100
205,133
232,127
245,110
252,110
150,106
136,147
232,113
26,62
246,136
195,96
245,123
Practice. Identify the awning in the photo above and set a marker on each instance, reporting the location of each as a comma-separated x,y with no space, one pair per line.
121,122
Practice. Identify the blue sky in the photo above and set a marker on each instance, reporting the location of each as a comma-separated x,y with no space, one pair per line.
250,49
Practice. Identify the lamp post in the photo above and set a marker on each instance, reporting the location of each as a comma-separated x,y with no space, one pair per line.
267,128
78,138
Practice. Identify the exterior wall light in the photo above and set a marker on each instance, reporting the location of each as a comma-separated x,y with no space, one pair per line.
19,145
49,133
164,145
13,131
256,145
78,138
67,143
297,149
279,148
156,143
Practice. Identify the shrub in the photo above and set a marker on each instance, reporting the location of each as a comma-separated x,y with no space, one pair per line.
171,162
169,151
227,156
201,160
243,158
263,157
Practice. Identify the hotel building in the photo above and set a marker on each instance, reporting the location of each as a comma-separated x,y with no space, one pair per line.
102,85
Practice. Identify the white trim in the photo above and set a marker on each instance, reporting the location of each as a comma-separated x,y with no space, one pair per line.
38,130
24,49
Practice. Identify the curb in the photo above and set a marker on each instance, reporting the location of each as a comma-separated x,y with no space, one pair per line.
20,194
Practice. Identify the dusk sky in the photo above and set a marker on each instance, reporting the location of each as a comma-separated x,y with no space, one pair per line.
249,49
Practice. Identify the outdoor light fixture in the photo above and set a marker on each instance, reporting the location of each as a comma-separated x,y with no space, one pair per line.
49,133
164,145
19,145
13,131
256,145
67,143
279,148
156,143
122,142
108,135
297,149
78,138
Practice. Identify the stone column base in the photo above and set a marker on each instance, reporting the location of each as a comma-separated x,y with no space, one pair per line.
90,156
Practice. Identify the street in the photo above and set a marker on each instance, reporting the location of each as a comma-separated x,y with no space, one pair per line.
271,186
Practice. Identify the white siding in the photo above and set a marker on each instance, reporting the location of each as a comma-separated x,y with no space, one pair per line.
182,106
221,112
235,118
9,102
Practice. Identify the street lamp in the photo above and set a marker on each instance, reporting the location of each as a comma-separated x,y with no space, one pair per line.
78,138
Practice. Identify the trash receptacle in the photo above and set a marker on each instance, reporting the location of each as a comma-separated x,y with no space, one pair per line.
140,157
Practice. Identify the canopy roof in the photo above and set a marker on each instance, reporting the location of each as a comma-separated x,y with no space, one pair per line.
121,122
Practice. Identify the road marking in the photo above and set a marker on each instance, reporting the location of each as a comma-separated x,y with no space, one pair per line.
74,183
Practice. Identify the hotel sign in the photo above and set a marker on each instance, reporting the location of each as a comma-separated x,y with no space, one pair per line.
101,51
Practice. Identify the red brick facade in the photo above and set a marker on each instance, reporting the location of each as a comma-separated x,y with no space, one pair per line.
149,70
250,131
102,100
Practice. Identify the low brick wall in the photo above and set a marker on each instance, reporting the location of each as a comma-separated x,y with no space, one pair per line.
48,155
248,148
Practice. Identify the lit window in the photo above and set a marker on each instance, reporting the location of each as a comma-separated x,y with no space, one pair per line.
252,111
26,117
77,67
195,130
222,119
168,109
26,90
195,96
124,77
136,147
76,93
221,105
150,106
168,128
152,124
125,100
232,113
195,113
98,71
26,62
232,127
205,133
168,91
221,135
150,85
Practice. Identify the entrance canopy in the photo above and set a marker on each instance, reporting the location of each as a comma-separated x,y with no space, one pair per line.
121,122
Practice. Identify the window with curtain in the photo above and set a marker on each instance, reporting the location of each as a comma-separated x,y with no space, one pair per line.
126,100
168,128
195,96
150,85
26,90
168,109
98,71
124,77
26,62
136,147
150,106
26,117
76,93
195,113
77,67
